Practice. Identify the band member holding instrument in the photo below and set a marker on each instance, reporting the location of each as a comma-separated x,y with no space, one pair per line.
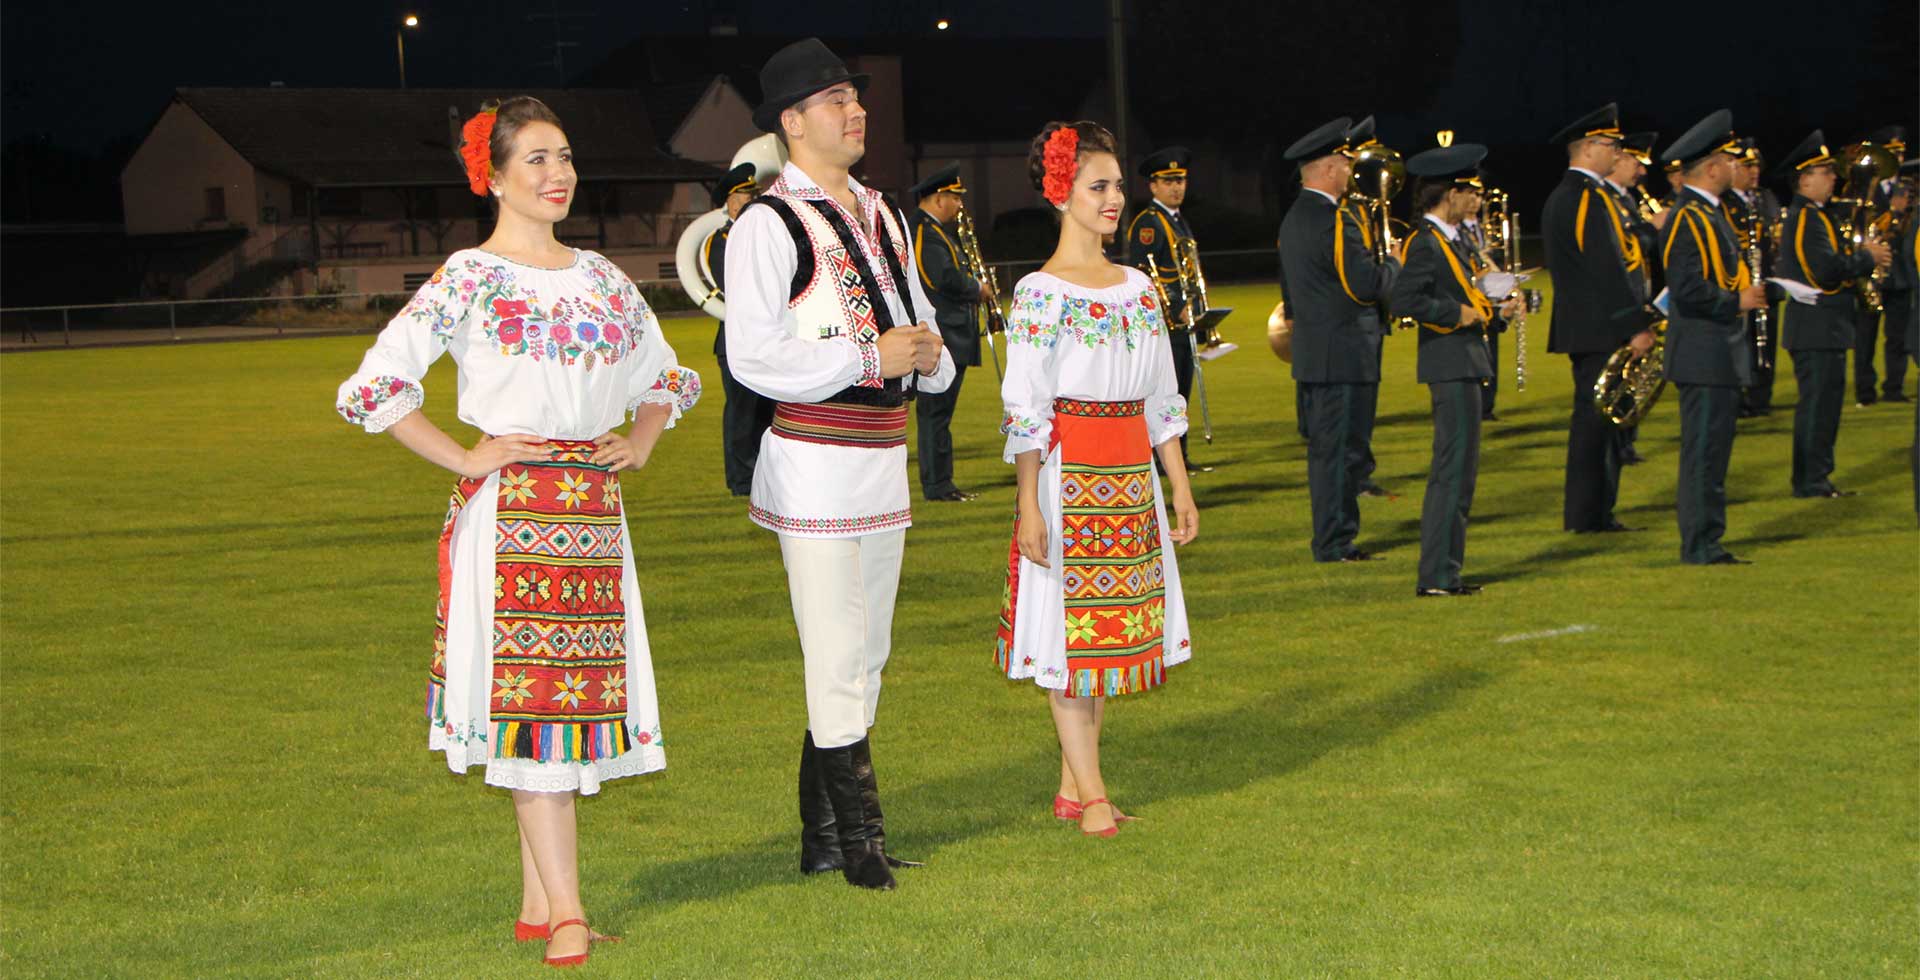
1596,299
824,315
1437,289
1887,206
1906,269
1356,209
1643,225
1708,347
1822,331
746,414
1330,277
1156,232
1474,238
1754,210
954,294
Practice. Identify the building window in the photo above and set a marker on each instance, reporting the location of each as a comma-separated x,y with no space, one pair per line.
299,195
216,204
340,201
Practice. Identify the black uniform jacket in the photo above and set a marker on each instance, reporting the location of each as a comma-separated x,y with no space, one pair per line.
1645,245
1707,341
1594,294
1436,282
1331,283
1152,233
1816,255
952,291
717,261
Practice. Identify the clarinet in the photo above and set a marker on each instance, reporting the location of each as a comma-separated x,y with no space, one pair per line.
1753,265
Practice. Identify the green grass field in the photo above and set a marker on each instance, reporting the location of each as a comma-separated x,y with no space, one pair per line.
217,613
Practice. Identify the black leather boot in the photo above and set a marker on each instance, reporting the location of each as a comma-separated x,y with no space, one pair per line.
856,815
870,797
819,839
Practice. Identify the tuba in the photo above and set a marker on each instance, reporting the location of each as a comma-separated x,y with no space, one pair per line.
1378,174
1630,383
690,252
1863,166
977,268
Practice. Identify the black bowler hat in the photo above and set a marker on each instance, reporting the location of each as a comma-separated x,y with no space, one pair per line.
1711,135
740,178
1169,163
1459,163
795,72
1808,153
1329,139
946,178
1640,146
1603,122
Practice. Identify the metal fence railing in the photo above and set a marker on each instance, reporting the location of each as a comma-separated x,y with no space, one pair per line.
247,318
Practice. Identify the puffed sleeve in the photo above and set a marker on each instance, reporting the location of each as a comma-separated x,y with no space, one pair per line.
387,387
1166,410
655,375
1026,393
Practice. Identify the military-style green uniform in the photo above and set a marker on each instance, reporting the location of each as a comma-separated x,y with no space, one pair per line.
954,295
1819,336
1153,233
1708,358
1895,298
1453,362
1758,208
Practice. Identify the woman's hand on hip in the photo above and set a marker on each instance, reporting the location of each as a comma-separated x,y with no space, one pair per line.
616,453
493,452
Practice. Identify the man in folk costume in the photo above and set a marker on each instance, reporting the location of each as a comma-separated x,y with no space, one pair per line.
824,315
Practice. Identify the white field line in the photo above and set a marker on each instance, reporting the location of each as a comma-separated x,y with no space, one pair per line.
1547,634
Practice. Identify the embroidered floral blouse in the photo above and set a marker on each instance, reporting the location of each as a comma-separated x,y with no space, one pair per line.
560,353
1068,341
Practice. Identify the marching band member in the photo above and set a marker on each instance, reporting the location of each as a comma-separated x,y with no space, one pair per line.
1596,298
1330,279
1906,268
1157,231
1751,205
1475,238
1819,333
1888,205
1707,346
1437,289
837,340
746,414
944,278
1361,136
1643,250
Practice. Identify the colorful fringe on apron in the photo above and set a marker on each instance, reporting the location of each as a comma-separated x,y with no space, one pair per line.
558,684
1112,577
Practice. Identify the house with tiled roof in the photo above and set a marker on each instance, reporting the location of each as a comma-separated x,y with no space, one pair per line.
254,190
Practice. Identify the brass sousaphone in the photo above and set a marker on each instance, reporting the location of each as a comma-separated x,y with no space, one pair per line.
690,253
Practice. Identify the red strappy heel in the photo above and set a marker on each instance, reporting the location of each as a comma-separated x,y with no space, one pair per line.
578,958
1067,809
1110,831
526,932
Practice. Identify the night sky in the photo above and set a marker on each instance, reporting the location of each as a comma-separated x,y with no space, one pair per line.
91,77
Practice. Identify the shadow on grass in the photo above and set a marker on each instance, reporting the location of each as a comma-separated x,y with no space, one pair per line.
1269,737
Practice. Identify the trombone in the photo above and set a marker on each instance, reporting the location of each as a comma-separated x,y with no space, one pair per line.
996,319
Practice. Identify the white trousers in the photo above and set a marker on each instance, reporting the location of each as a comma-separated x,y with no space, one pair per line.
843,591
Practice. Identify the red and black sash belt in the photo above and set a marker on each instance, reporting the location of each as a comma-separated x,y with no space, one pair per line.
840,424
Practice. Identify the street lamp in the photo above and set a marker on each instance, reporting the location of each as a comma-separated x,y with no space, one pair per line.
400,42
941,25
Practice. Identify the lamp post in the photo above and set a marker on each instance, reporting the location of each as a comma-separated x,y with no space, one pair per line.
400,42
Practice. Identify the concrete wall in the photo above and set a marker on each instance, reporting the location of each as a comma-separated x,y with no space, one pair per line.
716,128
163,187
390,275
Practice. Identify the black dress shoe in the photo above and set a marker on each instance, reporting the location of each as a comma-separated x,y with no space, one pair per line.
1726,558
1489,417
1425,592
1611,527
1895,396
1467,588
1368,488
1359,555
955,496
1631,458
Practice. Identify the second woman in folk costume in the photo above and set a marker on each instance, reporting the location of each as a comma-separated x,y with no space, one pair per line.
540,673
1093,606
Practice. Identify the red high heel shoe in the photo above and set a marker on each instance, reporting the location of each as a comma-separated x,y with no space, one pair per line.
1110,831
578,958
1067,809
526,932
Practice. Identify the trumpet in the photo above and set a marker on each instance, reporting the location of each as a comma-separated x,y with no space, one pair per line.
1649,207
987,276
1631,382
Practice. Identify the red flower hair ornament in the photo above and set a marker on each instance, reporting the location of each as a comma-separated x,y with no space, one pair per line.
476,150
1059,159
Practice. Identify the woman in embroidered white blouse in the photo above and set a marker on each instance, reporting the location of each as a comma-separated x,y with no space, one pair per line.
541,671
1093,605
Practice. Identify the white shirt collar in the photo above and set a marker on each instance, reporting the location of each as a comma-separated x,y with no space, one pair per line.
1172,211
1583,170
1330,198
1452,233
1703,192
1615,186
